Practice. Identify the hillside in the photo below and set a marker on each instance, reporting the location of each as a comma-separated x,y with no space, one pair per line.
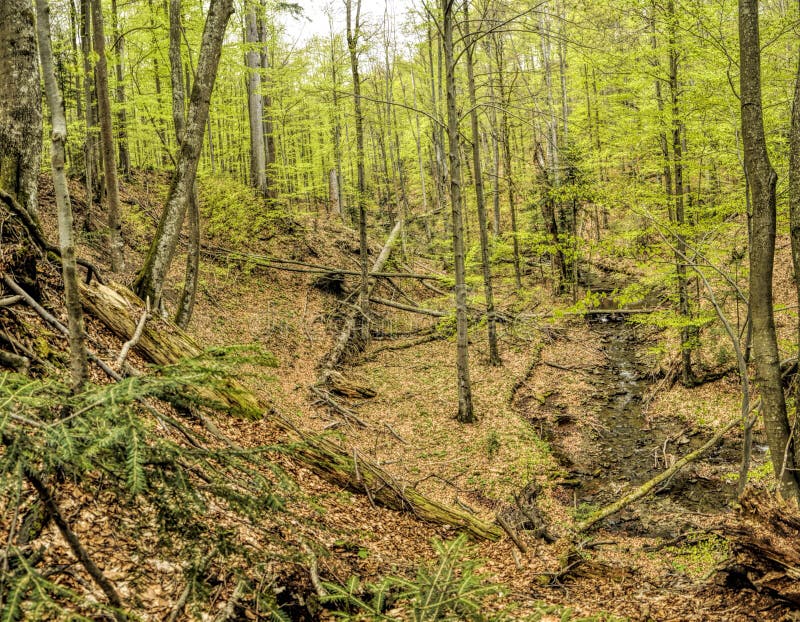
580,412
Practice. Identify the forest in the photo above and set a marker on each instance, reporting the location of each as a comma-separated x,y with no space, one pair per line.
399,310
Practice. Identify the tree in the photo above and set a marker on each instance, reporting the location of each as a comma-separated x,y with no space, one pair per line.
255,103
107,139
21,112
762,180
77,339
353,35
187,298
466,413
150,279
494,356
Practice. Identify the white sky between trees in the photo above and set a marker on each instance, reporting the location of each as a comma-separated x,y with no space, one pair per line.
315,21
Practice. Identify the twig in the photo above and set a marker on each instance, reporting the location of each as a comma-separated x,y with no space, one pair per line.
137,335
230,607
511,534
313,571
10,300
184,597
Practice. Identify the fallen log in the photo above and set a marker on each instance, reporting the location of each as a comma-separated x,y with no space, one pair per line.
403,307
162,342
342,344
651,484
334,464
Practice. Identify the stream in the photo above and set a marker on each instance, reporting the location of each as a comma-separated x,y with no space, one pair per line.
626,449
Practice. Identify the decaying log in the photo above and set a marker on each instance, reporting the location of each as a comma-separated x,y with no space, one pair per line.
333,463
340,385
764,539
161,342
342,344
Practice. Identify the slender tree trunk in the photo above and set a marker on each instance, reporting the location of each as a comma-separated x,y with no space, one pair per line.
495,156
794,219
505,139
77,339
91,166
466,413
353,35
337,128
21,109
107,139
266,111
687,375
122,115
483,229
763,179
150,280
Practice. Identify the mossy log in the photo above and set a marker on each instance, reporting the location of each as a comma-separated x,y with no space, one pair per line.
163,343
349,470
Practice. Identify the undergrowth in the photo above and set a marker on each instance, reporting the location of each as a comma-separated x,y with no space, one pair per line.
162,467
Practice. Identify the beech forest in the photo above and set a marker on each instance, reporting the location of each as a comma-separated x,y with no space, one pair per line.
421,310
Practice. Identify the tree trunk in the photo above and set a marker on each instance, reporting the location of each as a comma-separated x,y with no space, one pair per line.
762,180
107,138
255,103
794,218
150,280
91,158
491,324
353,34
21,109
122,115
465,409
687,375
77,339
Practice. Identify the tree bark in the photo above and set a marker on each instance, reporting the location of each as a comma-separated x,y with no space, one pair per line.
353,34
255,103
762,180
150,280
794,218
491,323
21,109
107,139
122,115
77,338
466,413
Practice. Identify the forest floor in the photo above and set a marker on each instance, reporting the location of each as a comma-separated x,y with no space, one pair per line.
579,413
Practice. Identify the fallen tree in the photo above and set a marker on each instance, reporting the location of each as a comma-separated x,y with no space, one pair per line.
344,342
651,484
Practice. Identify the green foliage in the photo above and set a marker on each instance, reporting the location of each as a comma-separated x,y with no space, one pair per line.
699,558
452,588
234,213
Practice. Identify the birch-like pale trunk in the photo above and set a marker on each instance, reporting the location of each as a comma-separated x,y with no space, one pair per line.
77,333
